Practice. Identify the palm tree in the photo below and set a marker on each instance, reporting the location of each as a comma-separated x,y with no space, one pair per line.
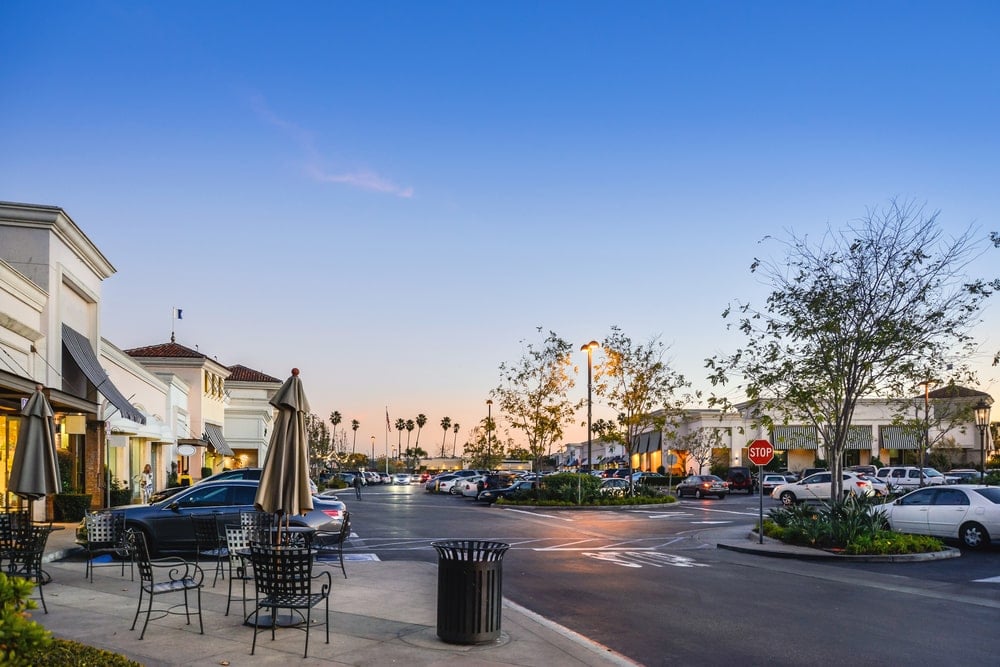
445,424
400,425
409,429
454,443
421,420
335,419
355,425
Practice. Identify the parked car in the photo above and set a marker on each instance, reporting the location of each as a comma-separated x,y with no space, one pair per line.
385,478
740,478
700,486
445,483
969,513
167,524
868,470
613,486
879,487
771,480
819,486
492,495
908,477
470,487
965,475
235,473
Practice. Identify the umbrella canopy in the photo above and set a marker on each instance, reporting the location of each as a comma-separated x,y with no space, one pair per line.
284,479
34,472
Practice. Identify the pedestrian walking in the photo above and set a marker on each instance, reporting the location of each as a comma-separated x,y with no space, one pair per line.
357,485
146,483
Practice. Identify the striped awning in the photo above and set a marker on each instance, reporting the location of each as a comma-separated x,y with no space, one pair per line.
82,353
898,437
647,442
794,437
215,438
859,437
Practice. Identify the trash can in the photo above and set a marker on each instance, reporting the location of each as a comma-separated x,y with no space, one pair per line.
470,590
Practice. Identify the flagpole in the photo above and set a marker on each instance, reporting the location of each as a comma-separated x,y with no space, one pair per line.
387,440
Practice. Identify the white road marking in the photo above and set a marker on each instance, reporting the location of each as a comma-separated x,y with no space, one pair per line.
547,516
988,580
637,559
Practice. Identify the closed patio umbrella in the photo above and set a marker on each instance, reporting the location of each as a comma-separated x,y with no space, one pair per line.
34,471
284,479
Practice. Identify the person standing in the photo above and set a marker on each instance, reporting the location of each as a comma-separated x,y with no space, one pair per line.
146,483
357,485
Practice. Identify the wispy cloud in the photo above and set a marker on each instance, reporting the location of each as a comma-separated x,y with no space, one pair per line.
362,179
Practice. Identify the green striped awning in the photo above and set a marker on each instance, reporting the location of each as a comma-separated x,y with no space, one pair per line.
794,437
859,437
898,437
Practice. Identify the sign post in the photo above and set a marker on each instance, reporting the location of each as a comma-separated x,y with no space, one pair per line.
760,452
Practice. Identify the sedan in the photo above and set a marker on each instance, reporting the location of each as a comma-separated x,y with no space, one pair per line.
492,495
819,486
700,486
967,512
614,486
167,524
401,478
772,480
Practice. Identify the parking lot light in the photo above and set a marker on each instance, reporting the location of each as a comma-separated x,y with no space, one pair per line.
982,421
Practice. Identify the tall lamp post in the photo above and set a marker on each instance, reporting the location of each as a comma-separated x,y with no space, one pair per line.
489,430
927,426
589,348
372,461
982,421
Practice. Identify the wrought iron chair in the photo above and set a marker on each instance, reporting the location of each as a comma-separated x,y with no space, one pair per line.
240,569
25,556
209,542
284,580
106,536
162,576
330,543
12,524
257,525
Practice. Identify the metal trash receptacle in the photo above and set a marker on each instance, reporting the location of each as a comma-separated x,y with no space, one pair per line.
470,590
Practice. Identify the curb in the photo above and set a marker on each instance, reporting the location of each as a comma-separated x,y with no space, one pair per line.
773,549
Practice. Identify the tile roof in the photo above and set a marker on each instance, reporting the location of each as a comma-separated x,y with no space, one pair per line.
172,350
243,374
955,391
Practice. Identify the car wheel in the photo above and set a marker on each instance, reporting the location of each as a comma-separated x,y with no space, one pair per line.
787,498
697,494
973,535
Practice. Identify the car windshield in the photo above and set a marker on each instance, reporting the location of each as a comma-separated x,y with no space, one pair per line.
931,472
991,494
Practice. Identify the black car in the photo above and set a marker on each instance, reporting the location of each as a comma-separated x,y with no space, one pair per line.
517,488
168,527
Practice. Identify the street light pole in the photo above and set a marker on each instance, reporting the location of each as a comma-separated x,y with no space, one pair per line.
982,421
589,347
372,462
927,426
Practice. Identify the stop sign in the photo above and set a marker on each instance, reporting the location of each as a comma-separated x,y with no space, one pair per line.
760,452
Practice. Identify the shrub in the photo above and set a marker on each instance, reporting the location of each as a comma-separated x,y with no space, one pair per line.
65,652
70,507
20,637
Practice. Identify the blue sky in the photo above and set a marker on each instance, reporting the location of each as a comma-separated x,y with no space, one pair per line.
392,195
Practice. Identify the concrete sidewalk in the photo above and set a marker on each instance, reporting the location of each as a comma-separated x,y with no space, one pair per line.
384,613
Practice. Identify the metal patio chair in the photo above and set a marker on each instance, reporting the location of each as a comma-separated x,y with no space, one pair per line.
209,542
240,567
25,557
162,576
106,535
329,543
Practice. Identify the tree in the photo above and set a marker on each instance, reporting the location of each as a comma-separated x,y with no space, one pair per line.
355,425
400,425
445,424
698,447
871,310
533,392
320,444
409,429
421,421
635,381
481,453
335,419
454,443
413,456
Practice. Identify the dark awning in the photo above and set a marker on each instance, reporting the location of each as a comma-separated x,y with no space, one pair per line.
79,348
647,442
214,436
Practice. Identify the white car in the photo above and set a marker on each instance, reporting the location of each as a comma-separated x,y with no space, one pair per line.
819,486
969,513
469,486
770,481
401,478
902,478
445,484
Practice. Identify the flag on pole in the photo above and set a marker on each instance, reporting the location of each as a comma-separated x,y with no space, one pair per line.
388,424
177,314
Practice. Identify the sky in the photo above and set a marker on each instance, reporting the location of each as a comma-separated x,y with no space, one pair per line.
394,197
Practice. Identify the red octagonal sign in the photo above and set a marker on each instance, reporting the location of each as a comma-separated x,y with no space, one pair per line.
760,452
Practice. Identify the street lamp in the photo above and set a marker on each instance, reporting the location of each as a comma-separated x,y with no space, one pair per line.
372,462
489,430
982,421
927,425
589,347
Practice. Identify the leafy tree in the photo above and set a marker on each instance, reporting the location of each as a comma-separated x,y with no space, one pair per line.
445,424
697,447
335,419
413,456
869,310
320,444
481,452
400,425
421,422
454,443
533,392
355,425
635,381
